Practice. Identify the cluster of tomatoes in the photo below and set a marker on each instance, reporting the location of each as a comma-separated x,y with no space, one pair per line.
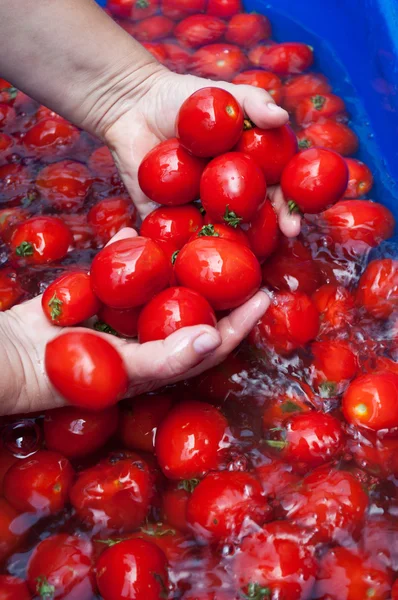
271,476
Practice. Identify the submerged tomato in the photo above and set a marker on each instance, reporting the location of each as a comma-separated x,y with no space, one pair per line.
153,28
262,79
248,29
13,588
360,179
140,418
12,529
15,181
287,58
69,300
218,61
41,240
50,137
198,30
178,9
377,290
329,134
175,224
321,106
334,365
64,184
109,216
300,86
101,162
335,305
10,288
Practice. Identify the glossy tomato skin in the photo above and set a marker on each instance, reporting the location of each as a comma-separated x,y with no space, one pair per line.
50,137
262,79
172,309
221,230
377,290
334,365
272,149
82,233
275,476
314,179
13,588
109,216
209,122
172,542
232,188
287,58
132,9
86,370
69,300
371,401
321,106
123,321
74,432
360,179
193,269
129,272
135,565
188,441
169,175
300,86
174,504
62,563
178,9
221,502
140,418
329,134
263,232
172,223
64,184
41,240
198,30
225,9
218,61
12,530
115,494
336,305
290,322
248,29
39,483
10,288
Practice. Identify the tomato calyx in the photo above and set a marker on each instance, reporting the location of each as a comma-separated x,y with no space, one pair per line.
279,443
11,91
290,407
24,249
188,485
328,389
105,328
142,4
293,208
55,304
248,124
156,530
164,591
44,589
174,256
255,591
304,144
111,541
318,101
231,218
208,230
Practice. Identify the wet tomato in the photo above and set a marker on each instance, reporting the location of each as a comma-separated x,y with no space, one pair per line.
329,134
248,29
153,28
360,179
123,322
140,419
172,309
288,58
175,501
376,456
211,265
9,219
64,184
75,432
275,476
174,544
157,50
176,224
15,181
135,9
225,9
263,232
101,162
262,79
12,529
190,439
181,173
313,180
41,240
177,57
82,232
129,272
13,588
198,30
301,86
39,483
335,305
69,300
334,365
50,137
108,216
234,234
7,115
322,106
6,143
377,290
178,9
218,61
209,122
10,288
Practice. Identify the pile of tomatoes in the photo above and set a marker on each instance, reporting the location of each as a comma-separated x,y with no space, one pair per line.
271,476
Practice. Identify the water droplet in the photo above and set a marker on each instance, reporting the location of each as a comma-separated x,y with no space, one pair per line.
22,438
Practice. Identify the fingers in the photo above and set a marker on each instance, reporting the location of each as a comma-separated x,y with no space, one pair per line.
123,234
289,224
259,106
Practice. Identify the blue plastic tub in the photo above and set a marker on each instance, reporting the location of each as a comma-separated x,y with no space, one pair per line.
356,46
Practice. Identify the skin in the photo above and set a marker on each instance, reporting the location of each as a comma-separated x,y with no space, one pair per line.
128,100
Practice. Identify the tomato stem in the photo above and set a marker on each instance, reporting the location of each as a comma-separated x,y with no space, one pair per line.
105,328
328,389
304,144
278,444
44,589
174,256
208,230
231,218
55,304
289,406
318,101
24,249
256,592
293,208
188,485
248,124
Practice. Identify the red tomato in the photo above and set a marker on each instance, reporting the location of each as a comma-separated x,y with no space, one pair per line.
61,567
198,30
153,28
6,143
157,50
329,134
209,122
39,483
13,588
329,503
234,234
313,180
86,370
300,86
41,240
346,574
81,231
133,9
181,173
129,272
371,401
10,288
248,29
64,184
115,494
225,9
358,224
175,501
137,566
394,591
46,113
335,305
12,529
274,559
360,179
7,115
232,188
6,460
172,223
334,365
272,149
119,321
377,290
376,456
178,9
290,322
172,309
263,232
289,402
140,419
211,267
275,477
190,439
109,216
177,57
287,58
174,544
101,162
262,79
50,137
69,300
379,539
220,504
15,181
322,106
291,268
75,432
218,61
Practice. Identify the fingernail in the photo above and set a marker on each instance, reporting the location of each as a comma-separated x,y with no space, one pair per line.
275,108
206,343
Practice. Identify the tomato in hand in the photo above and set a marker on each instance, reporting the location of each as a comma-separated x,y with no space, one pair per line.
41,240
331,135
234,234
39,483
128,273
13,588
209,122
198,30
153,28
262,79
50,137
109,216
272,149
61,567
335,305
334,365
140,419
175,224
69,300
301,86
190,439
211,266
181,173
64,184
313,180
10,288
263,232
218,61
377,290
232,188
360,179
135,565
322,106
123,322
86,370
220,504
172,309
287,58
74,432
